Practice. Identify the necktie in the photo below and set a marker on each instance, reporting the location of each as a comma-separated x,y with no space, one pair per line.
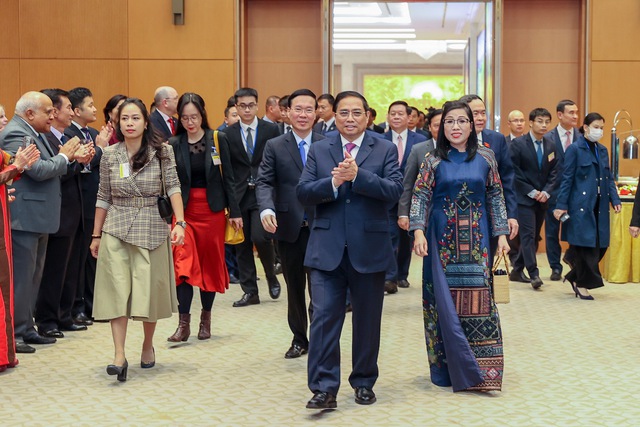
303,155
64,138
86,134
171,126
249,143
567,142
400,149
539,153
324,128
349,146
288,129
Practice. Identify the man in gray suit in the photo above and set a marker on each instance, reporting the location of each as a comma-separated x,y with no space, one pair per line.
35,213
416,156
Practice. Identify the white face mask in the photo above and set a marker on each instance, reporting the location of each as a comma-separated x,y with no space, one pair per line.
594,134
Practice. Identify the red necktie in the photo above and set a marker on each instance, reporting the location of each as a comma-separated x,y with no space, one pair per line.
172,126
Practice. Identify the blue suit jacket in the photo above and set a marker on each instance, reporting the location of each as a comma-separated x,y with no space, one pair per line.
498,143
412,139
555,137
358,218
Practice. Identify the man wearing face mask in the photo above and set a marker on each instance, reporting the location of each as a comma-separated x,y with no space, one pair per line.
565,134
586,191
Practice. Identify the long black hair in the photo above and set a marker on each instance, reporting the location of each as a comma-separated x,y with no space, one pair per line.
198,102
150,138
443,144
590,118
111,104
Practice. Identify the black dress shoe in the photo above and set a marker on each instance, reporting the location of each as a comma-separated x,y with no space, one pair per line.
83,319
274,288
556,275
322,400
247,299
52,333
24,348
295,351
390,287
365,396
536,282
403,284
38,339
233,279
518,276
73,327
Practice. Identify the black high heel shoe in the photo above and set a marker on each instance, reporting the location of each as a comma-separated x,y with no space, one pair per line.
577,292
120,371
147,365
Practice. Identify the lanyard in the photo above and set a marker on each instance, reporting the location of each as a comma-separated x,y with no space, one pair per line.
244,139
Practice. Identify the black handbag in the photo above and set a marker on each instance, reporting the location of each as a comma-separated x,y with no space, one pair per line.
164,204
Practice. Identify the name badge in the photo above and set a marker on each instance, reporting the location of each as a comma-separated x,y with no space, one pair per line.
124,170
552,156
215,157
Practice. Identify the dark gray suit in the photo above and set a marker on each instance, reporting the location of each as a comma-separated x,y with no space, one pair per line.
35,214
411,169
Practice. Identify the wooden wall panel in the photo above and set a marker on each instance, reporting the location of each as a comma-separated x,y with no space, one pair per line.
9,84
208,33
213,80
614,26
283,46
79,29
9,29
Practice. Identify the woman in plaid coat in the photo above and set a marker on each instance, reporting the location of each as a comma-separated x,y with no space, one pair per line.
134,275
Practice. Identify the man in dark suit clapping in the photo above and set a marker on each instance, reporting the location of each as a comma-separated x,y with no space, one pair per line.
351,178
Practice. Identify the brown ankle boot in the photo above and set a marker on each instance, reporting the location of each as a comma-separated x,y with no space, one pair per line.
205,325
183,331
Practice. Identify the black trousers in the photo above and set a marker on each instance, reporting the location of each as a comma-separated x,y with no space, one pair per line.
87,264
296,276
530,220
585,272
254,234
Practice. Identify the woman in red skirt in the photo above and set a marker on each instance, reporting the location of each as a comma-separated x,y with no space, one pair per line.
207,183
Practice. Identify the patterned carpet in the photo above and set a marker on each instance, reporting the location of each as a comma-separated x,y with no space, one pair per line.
567,363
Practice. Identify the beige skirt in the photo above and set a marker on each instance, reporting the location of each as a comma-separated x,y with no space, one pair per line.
134,282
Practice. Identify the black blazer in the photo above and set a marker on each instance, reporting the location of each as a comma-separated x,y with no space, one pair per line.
220,190
71,191
278,178
528,175
318,128
160,126
243,168
89,182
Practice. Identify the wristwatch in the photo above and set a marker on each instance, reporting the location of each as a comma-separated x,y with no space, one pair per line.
182,224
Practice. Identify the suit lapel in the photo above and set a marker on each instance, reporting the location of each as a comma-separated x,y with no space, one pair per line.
336,149
292,148
184,155
235,131
365,149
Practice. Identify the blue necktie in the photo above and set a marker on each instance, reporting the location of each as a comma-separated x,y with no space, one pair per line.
539,153
302,153
64,138
86,133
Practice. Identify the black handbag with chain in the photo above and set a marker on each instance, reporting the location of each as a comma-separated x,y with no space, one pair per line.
164,204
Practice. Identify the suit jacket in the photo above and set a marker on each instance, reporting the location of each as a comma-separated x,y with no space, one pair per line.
243,168
416,157
220,189
555,137
358,218
578,194
318,127
412,138
498,143
71,192
36,208
278,178
423,133
376,128
132,202
525,164
281,126
635,215
88,181
160,126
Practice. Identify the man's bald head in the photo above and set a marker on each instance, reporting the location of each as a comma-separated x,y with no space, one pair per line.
516,122
166,100
36,109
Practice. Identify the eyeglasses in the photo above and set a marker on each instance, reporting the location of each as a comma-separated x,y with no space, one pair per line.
461,122
246,106
193,119
299,110
355,113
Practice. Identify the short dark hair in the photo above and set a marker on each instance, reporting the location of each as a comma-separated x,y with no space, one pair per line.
432,113
349,94
539,112
470,97
590,118
327,97
198,102
564,103
150,137
77,96
444,145
301,92
56,96
245,91
373,113
416,109
111,104
271,100
403,103
231,102
283,102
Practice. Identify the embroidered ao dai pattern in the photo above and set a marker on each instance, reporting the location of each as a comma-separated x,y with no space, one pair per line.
461,205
